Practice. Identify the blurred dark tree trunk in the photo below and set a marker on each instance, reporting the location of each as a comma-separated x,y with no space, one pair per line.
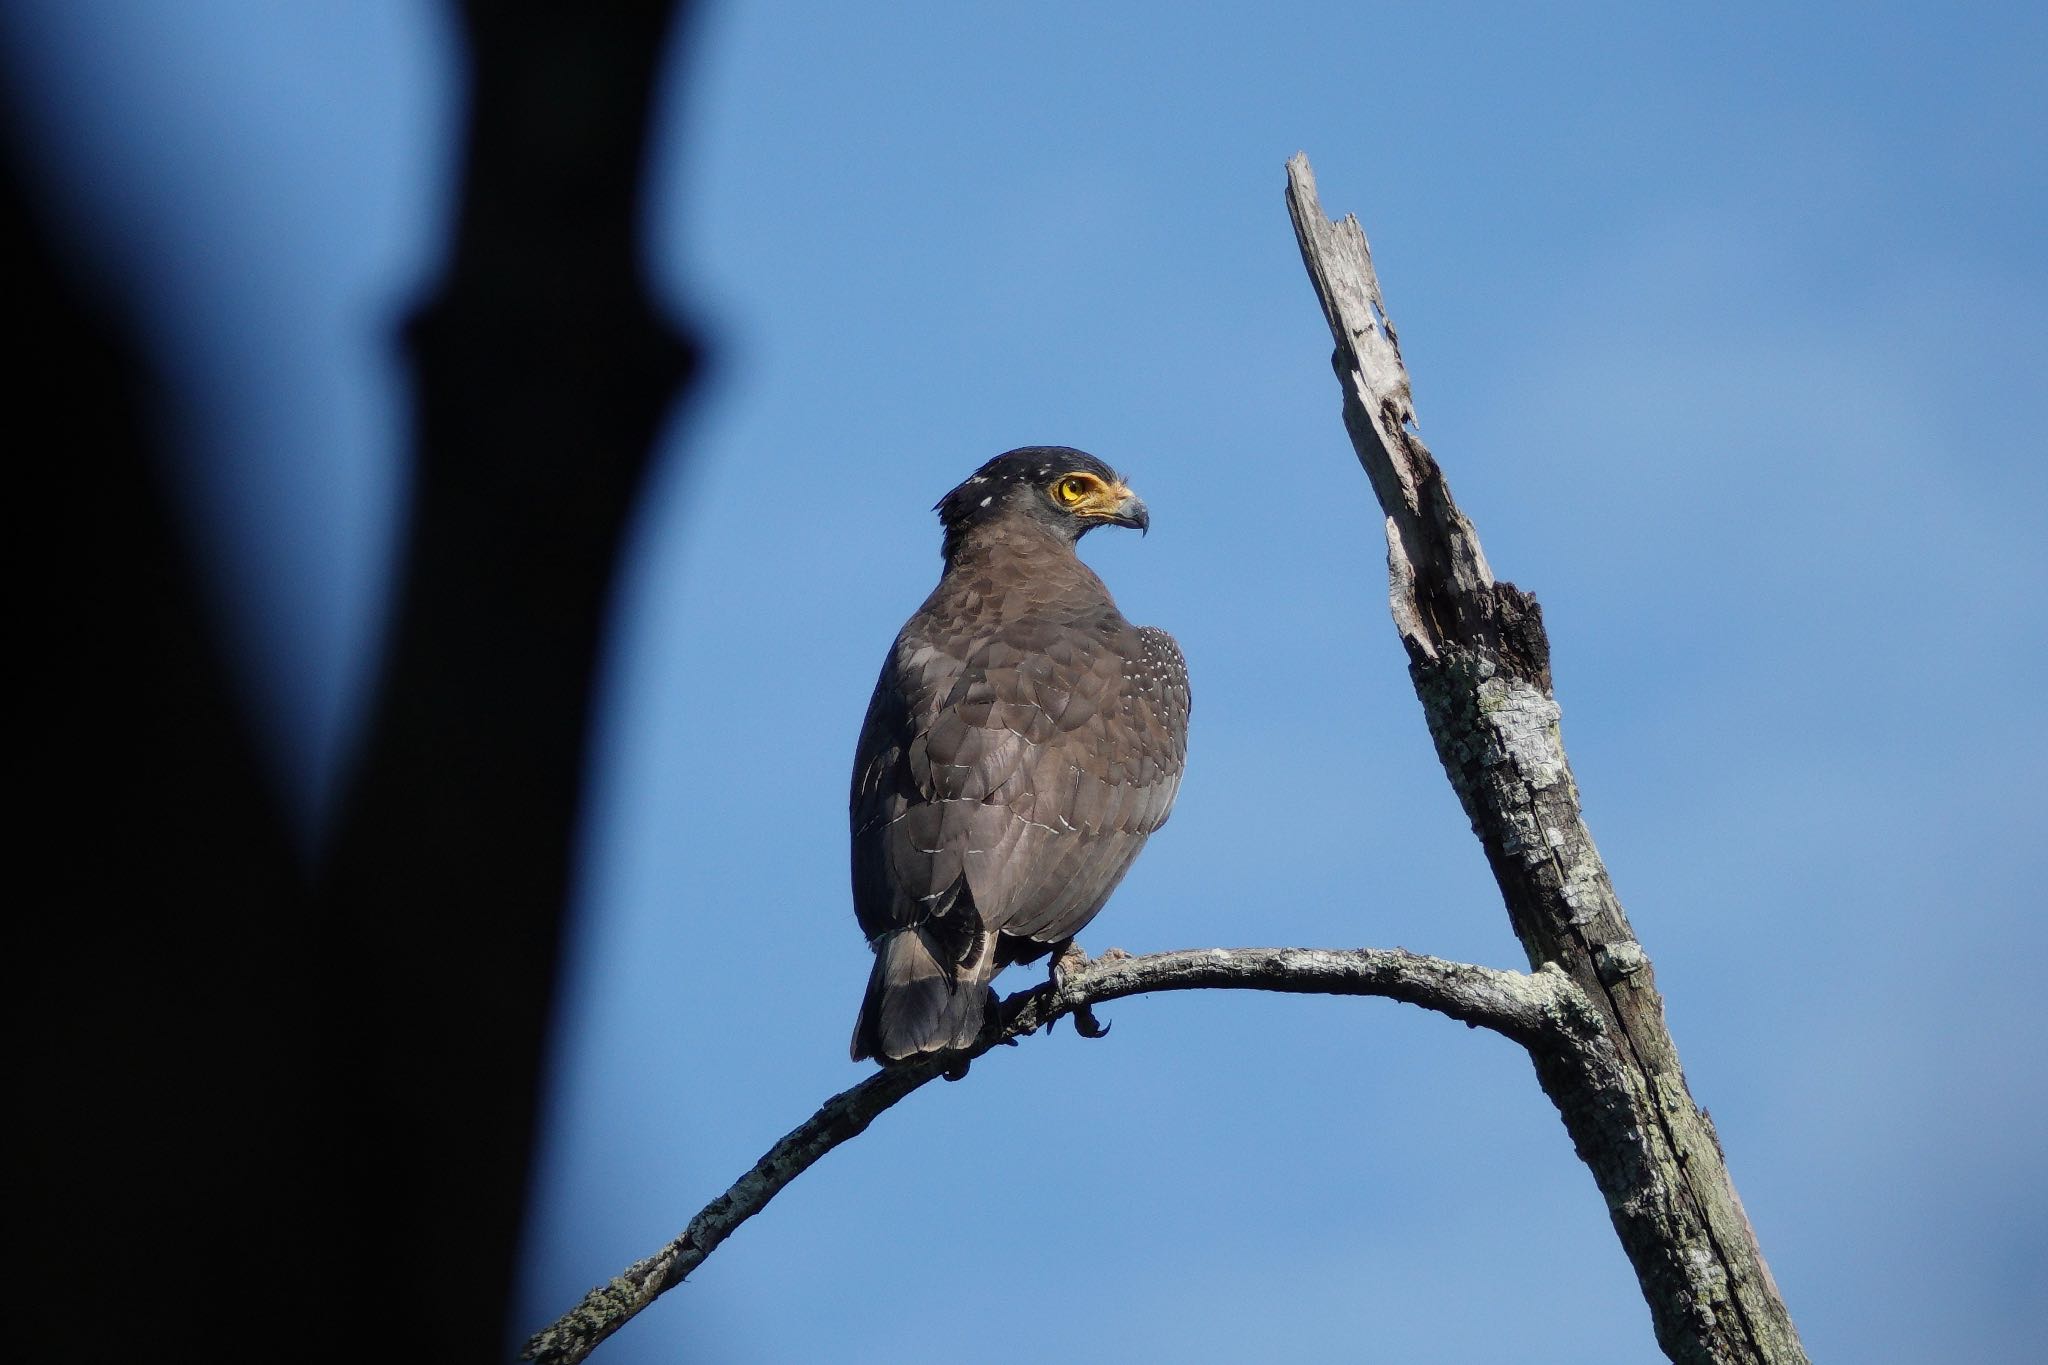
271,1100
543,376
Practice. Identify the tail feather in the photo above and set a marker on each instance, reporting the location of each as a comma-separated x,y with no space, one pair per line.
919,1000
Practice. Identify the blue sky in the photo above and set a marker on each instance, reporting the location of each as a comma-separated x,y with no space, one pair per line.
1725,325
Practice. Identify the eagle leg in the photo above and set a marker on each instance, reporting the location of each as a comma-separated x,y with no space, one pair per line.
1069,957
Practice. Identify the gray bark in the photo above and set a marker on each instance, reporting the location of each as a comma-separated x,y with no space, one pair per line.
1480,662
1541,1010
1589,1014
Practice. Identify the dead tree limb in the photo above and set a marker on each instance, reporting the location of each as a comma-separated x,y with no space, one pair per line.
1480,661
1542,1011
1589,1013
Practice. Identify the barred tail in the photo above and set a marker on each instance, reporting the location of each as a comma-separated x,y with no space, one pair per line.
919,1000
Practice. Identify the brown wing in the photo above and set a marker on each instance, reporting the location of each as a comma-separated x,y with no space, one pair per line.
1015,775
902,874
1096,789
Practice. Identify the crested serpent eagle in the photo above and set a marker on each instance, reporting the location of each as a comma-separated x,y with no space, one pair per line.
1022,743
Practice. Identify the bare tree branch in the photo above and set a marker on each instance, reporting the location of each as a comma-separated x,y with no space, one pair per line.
1589,1013
1480,661
1540,1010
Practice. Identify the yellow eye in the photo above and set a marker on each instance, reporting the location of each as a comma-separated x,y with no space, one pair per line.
1073,488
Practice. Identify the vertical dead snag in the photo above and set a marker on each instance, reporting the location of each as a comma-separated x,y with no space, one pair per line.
1480,662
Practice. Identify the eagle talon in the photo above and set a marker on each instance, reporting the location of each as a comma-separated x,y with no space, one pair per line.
1087,1025
1069,957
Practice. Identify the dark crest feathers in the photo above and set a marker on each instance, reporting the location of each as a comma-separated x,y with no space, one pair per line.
1035,466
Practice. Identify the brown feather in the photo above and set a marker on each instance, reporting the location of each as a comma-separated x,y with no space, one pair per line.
1022,742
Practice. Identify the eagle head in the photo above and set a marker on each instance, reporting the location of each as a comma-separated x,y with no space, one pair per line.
1068,492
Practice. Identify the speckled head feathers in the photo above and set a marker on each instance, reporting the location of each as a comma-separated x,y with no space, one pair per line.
1067,491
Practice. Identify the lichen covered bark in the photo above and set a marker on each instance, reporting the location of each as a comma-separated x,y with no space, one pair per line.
1480,662
1540,1010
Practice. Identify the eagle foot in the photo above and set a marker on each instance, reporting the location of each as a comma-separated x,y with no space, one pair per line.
1087,1025
1066,957
957,1071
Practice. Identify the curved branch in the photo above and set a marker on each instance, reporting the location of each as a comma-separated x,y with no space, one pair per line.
1541,1010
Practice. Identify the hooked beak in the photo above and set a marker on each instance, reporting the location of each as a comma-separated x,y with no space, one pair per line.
1130,511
